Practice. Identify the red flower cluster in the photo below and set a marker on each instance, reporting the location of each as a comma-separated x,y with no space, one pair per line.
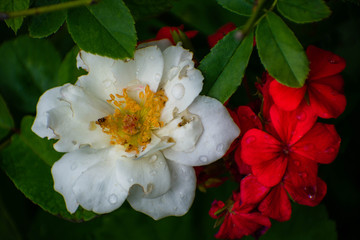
279,150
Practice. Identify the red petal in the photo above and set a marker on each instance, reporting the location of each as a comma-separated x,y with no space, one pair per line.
308,195
251,191
243,168
336,82
250,222
271,172
258,146
326,101
301,171
191,34
287,98
323,63
320,144
247,119
292,125
276,205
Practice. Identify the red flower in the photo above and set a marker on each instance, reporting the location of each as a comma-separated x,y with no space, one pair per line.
220,33
274,202
240,221
165,32
293,143
323,88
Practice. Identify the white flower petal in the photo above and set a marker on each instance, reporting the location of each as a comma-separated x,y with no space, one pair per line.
219,132
68,169
98,188
74,121
184,130
149,66
175,202
184,81
150,172
49,100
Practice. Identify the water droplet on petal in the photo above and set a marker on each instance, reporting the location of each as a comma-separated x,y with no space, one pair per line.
181,195
297,163
74,166
153,158
333,59
157,76
203,159
301,116
310,191
107,83
113,199
220,147
250,139
178,91
330,150
130,180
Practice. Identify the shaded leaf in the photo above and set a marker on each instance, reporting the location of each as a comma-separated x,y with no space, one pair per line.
12,6
225,65
241,7
28,161
106,28
280,52
140,8
68,72
311,223
46,24
6,120
27,69
303,11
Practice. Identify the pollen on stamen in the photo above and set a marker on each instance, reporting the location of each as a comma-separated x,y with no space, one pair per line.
132,123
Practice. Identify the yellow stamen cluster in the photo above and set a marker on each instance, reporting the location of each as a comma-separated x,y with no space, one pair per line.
133,121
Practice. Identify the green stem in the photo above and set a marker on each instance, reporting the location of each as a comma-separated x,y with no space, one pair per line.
46,9
253,18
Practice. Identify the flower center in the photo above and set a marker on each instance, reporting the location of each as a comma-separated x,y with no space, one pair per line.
133,121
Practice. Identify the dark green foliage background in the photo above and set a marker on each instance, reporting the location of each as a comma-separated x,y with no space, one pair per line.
51,62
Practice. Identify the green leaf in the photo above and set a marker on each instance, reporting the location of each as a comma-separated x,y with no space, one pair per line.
225,65
6,120
27,69
280,52
106,28
44,25
28,161
241,7
141,9
310,223
68,71
303,11
12,6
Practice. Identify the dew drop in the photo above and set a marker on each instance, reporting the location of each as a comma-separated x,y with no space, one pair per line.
178,91
130,180
310,191
220,147
333,59
181,195
203,159
74,166
107,83
330,150
250,139
301,116
153,158
113,199
157,76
